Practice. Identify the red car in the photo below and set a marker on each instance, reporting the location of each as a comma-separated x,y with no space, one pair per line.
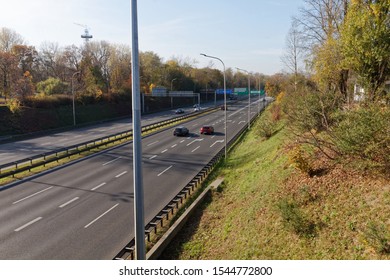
207,129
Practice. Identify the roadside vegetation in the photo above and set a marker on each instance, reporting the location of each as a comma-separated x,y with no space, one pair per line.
311,178
281,200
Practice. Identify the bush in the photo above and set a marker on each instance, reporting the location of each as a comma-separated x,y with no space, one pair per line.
265,127
52,86
300,160
13,105
311,111
294,218
47,102
276,112
365,132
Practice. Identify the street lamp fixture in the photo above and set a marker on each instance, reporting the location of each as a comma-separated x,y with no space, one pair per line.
249,94
224,96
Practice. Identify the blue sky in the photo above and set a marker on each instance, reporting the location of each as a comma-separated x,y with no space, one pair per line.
248,34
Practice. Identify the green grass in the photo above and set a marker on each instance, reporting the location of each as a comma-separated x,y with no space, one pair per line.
269,210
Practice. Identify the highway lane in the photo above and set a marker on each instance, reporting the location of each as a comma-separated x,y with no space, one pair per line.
13,151
84,211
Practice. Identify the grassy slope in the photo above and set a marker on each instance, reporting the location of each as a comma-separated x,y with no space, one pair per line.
244,220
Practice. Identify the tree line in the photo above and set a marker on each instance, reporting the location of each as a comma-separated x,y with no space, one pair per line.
336,93
340,43
98,70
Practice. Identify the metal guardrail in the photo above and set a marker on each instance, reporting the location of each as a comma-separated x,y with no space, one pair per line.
26,164
168,212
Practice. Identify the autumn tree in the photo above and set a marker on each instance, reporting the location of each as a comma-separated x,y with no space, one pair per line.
89,81
320,23
151,70
9,73
327,65
8,39
50,62
366,44
120,69
24,87
100,53
293,51
173,70
27,57
275,84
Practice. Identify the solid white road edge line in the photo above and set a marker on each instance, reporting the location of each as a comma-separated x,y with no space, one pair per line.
196,140
219,141
111,161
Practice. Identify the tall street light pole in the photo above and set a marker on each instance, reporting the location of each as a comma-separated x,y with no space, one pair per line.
249,93
172,83
224,96
137,147
74,110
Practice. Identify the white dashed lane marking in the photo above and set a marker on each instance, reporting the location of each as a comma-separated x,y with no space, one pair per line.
164,171
112,208
195,149
121,174
101,185
69,202
34,194
28,224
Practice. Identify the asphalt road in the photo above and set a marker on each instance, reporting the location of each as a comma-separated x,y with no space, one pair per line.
13,151
85,210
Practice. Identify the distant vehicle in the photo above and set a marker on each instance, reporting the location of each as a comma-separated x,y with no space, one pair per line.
233,97
179,111
207,129
196,109
196,106
223,107
181,131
